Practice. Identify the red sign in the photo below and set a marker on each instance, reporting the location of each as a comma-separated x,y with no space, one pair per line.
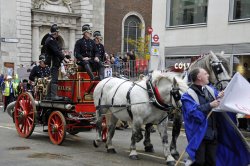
155,38
150,30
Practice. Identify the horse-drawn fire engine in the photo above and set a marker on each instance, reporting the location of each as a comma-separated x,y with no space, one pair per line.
76,113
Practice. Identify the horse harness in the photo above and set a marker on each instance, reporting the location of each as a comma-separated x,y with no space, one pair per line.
217,69
153,93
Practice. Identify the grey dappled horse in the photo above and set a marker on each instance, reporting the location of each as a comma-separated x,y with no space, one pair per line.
219,72
129,101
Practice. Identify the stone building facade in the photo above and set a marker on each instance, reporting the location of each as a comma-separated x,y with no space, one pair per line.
29,21
117,13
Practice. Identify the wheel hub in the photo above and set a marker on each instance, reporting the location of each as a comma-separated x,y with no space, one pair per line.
23,114
54,128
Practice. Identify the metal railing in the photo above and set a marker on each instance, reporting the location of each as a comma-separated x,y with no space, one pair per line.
131,69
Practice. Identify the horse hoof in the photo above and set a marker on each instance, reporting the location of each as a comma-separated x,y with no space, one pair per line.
111,151
95,144
134,157
149,149
170,163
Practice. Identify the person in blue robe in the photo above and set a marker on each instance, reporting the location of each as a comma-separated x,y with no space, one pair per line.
213,138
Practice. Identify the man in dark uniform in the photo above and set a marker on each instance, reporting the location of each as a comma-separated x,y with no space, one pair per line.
98,39
54,52
40,71
87,54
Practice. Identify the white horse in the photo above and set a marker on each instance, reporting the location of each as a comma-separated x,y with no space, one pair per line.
147,101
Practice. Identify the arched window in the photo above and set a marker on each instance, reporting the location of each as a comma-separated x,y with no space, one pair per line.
132,30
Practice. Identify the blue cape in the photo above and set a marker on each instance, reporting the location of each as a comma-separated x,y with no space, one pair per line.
232,148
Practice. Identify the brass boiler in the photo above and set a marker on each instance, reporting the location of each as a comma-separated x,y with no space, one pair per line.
70,68
41,88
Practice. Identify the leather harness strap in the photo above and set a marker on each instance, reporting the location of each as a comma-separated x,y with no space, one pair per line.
129,101
99,103
154,95
112,101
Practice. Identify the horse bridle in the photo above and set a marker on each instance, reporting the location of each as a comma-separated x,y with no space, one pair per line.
217,69
175,94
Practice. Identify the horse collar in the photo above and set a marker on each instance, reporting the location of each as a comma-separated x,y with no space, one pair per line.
158,95
155,96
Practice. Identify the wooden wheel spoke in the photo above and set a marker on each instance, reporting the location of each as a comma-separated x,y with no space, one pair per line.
22,125
60,134
22,104
19,110
31,113
53,120
29,121
56,119
24,131
56,137
60,126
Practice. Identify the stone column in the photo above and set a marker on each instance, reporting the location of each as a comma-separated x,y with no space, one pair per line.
72,37
35,43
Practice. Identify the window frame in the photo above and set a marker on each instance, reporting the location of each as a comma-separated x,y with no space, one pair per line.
128,28
168,19
231,14
123,23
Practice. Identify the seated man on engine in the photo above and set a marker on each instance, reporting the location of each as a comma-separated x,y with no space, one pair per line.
39,71
87,54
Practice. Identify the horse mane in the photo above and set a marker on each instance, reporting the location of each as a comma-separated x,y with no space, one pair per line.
157,75
202,62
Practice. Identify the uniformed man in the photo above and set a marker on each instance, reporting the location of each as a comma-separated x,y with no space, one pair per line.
54,52
87,54
39,71
98,39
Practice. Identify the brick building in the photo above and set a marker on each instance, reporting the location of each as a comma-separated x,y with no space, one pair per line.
123,20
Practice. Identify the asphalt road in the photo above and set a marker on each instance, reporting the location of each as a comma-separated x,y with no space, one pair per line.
75,150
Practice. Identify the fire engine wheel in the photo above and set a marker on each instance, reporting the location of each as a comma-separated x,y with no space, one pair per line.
25,114
104,129
56,127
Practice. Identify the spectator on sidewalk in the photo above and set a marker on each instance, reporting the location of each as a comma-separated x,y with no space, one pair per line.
8,91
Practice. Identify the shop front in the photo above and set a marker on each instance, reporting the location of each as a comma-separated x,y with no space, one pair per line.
241,64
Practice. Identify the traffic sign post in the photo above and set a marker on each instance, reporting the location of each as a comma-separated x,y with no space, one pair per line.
156,38
150,30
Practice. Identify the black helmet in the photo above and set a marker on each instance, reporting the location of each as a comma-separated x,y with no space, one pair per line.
86,28
54,28
97,33
41,58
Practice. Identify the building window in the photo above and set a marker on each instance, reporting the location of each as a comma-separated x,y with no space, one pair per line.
184,12
132,31
241,9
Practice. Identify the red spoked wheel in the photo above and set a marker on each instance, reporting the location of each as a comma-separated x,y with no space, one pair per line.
25,114
56,127
104,129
